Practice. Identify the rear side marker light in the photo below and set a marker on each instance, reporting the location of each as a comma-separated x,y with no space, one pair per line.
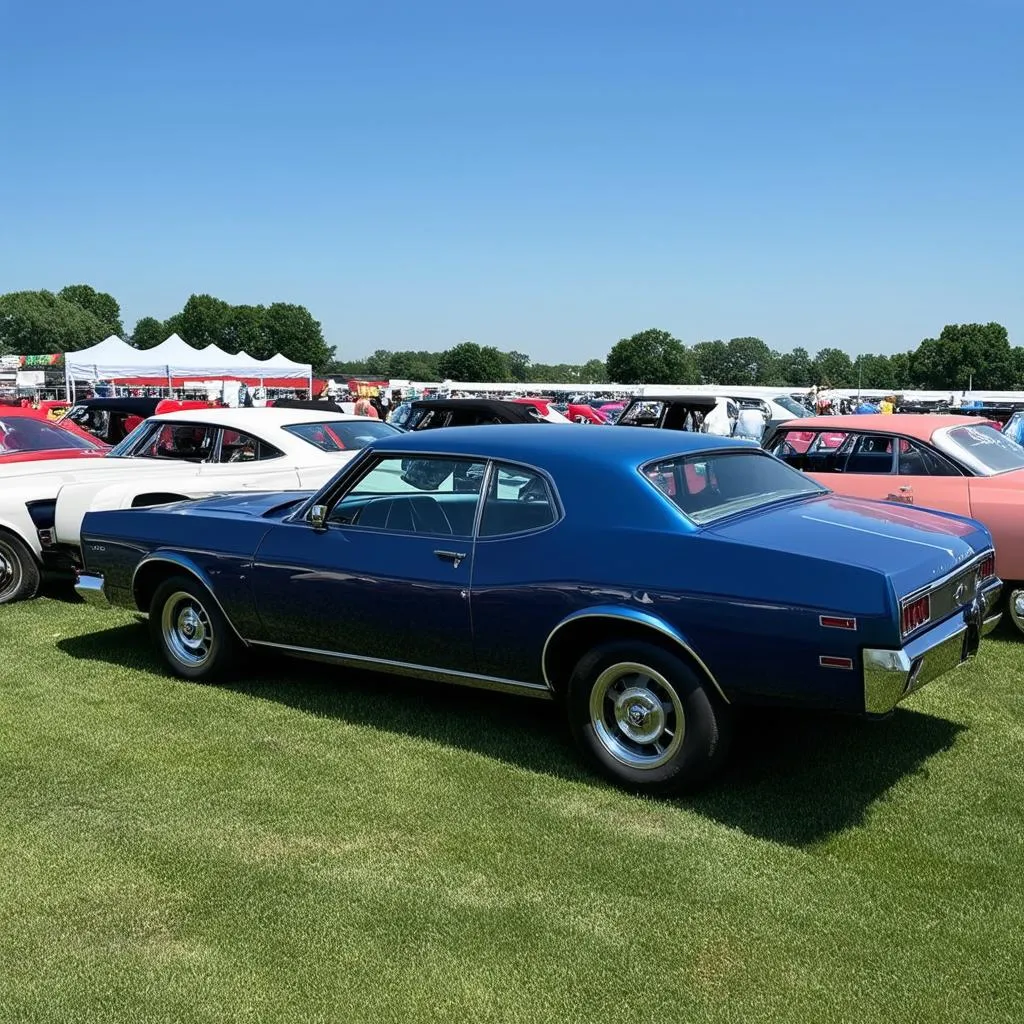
834,622
988,567
828,661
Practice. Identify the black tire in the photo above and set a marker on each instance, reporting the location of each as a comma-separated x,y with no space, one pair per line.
190,632
19,571
626,701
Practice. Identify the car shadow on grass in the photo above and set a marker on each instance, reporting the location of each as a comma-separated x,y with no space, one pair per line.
793,777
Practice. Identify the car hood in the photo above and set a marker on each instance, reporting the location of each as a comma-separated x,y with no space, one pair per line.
912,546
247,503
47,473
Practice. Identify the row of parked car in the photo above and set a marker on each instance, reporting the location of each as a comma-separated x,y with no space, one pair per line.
612,570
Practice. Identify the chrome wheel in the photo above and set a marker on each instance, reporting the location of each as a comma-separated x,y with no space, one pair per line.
187,630
1015,602
10,571
637,715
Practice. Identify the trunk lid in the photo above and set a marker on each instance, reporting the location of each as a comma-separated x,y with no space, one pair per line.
913,546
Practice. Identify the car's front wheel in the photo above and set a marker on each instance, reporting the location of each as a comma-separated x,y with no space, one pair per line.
19,570
190,631
645,718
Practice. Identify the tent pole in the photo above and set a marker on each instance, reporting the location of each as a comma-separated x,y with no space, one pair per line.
67,380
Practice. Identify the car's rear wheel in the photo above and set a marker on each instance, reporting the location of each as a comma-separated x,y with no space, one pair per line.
645,718
19,570
189,630
1015,604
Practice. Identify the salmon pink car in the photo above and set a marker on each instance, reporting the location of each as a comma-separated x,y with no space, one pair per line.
959,464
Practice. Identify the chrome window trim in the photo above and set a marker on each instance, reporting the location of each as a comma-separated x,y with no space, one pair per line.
624,617
413,670
494,467
336,488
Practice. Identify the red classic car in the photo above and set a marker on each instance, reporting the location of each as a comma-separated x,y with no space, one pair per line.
28,434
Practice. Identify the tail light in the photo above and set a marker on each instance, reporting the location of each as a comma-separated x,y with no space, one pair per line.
915,613
988,567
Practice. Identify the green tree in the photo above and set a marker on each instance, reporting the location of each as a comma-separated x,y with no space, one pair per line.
102,305
149,332
292,331
204,321
712,361
833,368
246,331
39,322
518,365
873,371
593,371
651,357
409,365
748,361
469,362
795,368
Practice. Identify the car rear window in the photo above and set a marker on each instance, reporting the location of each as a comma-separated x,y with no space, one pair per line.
341,435
27,434
712,486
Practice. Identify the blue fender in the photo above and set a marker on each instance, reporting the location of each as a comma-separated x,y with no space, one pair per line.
640,618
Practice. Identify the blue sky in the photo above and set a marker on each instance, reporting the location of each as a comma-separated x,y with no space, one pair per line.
541,176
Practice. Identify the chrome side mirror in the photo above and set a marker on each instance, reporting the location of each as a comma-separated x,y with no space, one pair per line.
318,517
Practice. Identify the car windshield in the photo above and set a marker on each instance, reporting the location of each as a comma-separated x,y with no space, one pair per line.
28,434
711,486
792,405
342,435
982,449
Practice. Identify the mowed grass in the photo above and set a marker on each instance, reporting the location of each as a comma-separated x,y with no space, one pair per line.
311,845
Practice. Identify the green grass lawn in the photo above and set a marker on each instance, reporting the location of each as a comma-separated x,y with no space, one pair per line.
310,845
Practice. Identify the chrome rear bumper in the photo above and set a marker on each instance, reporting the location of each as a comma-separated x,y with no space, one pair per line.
90,588
889,675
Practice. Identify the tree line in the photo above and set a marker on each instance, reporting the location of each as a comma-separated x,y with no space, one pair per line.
78,316
962,356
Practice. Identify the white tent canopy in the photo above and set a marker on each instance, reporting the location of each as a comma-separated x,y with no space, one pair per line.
112,359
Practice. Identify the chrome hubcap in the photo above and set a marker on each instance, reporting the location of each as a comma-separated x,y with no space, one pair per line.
1016,604
8,571
637,715
187,630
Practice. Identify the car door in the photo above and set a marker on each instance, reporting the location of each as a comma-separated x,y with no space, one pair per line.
888,467
519,573
387,577
244,462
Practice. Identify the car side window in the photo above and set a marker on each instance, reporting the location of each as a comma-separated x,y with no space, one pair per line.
238,447
917,460
404,494
872,453
518,500
185,442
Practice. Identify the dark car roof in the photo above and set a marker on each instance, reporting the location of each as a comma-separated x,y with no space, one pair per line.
709,400
512,412
144,407
560,445
306,403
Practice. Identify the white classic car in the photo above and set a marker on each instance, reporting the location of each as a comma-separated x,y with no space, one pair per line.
175,456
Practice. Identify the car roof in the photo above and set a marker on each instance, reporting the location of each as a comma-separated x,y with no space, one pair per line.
253,418
550,449
136,406
917,425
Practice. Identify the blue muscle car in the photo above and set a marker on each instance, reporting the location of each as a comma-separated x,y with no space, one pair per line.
717,576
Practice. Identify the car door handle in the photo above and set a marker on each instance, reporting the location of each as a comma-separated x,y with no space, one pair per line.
455,557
